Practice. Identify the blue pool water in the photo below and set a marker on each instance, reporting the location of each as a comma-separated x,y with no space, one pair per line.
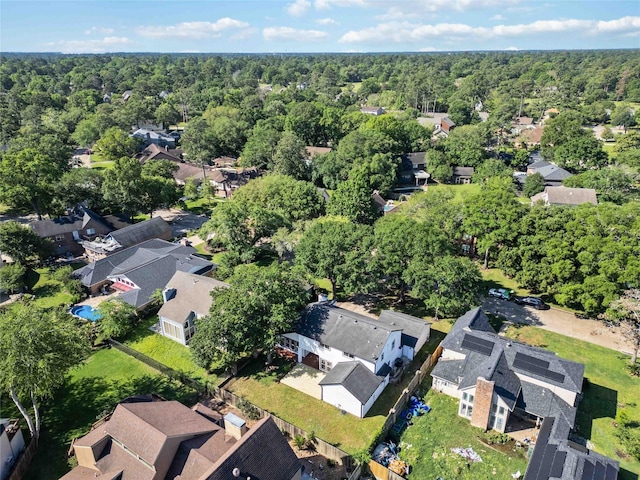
87,312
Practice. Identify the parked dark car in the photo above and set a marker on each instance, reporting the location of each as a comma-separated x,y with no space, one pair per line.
534,302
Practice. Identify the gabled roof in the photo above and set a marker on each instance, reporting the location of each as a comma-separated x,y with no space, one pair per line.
154,152
412,327
150,134
357,379
519,371
313,151
129,259
347,331
192,294
79,219
462,171
448,122
137,233
413,160
261,454
549,171
566,196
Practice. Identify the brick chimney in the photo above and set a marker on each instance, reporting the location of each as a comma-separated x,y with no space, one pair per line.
482,403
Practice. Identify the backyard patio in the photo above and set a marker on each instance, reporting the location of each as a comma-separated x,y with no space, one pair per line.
305,379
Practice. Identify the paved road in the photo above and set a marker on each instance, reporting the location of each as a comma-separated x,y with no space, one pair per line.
181,222
558,321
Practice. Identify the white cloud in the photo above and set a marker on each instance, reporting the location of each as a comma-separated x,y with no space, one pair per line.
428,49
100,30
497,17
327,21
512,49
298,8
192,29
107,44
416,7
400,32
288,33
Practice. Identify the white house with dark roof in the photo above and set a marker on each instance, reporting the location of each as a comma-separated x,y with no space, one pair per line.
186,297
358,353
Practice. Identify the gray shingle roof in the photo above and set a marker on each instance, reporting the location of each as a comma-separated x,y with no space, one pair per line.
412,327
193,294
462,171
139,232
80,219
150,265
347,331
261,454
550,172
357,379
500,366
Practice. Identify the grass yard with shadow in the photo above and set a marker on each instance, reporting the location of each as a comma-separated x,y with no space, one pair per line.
609,389
426,445
92,390
166,351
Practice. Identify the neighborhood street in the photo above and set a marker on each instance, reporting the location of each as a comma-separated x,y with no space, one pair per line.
558,321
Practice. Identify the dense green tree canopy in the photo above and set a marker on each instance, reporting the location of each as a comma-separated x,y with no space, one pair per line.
21,243
259,305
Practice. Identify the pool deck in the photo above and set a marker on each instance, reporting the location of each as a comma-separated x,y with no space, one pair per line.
97,300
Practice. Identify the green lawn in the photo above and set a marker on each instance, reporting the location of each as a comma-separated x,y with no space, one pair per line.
610,389
494,278
166,351
461,191
96,387
345,431
426,446
48,292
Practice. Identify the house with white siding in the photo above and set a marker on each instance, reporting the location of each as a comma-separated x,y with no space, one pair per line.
359,354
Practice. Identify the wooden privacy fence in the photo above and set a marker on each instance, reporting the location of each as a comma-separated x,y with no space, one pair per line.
23,462
415,382
168,371
323,448
381,472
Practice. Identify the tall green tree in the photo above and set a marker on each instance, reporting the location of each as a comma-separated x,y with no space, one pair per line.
336,249
22,244
79,185
533,185
115,143
12,277
117,318
447,285
38,349
580,154
289,157
490,215
123,185
199,143
626,311
353,200
28,178
260,305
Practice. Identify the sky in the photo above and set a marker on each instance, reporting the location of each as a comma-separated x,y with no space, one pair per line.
266,26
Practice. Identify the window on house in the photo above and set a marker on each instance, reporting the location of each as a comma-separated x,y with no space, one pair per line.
59,238
382,357
325,365
324,345
347,354
501,411
393,344
91,231
466,405
289,344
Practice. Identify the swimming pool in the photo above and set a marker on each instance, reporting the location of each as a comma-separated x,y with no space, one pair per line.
87,312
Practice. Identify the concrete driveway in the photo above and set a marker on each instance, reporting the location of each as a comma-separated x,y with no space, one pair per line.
181,222
558,321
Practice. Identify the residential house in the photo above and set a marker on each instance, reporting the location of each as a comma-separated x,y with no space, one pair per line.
149,137
372,110
225,162
565,196
312,151
359,354
462,175
186,297
67,233
446,125
530,137
383,206
154,152
127,237
11,445
495,378
126,95
552,174
138,271
226,180
413,166
157,440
